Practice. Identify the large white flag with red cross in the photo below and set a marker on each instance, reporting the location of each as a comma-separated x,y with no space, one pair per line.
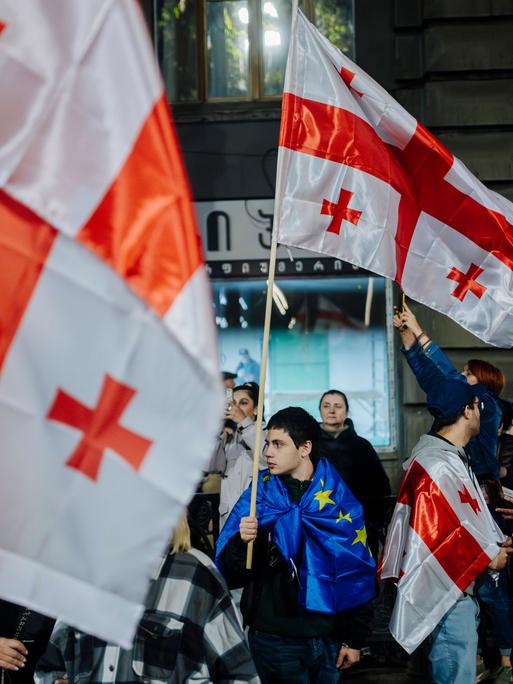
109,388
361,180
440,538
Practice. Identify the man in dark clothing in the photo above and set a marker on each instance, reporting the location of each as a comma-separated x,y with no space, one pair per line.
356,461
308,624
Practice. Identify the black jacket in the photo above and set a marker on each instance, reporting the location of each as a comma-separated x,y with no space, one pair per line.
359,466
270,596
33,629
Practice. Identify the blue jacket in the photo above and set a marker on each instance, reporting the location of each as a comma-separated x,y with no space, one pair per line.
429,366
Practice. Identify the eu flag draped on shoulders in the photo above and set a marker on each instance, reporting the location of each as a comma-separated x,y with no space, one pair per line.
361,180
323,538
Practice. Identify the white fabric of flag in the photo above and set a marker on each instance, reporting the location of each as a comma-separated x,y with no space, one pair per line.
441,536
110,393
361,180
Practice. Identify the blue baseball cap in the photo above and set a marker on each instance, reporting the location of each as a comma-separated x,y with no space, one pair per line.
450,396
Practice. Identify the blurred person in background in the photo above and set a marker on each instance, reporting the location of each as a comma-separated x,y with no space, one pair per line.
248,369
233,457
356,462
190,631
505,446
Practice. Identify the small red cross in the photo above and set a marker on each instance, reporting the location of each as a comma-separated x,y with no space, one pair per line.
101,428
347,77
467,281
340,211
466,497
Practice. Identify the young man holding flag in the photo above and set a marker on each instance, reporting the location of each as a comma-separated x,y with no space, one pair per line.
313,571
441,537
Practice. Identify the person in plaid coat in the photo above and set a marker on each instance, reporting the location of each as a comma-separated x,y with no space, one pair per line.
190,630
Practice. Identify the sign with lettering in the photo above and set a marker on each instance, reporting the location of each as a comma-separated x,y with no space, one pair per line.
237,235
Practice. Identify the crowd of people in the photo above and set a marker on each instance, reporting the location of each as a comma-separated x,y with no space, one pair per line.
302,611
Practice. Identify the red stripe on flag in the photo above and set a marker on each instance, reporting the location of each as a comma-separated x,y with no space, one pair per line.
336,134
25,242
145,227
417,173
436,523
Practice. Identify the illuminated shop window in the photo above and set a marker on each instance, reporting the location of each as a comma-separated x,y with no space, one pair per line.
326,333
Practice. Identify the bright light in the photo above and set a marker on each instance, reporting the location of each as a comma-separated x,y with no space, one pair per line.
244,15
279,295
243,304
272,38
292,323
222,298
280,300
270,9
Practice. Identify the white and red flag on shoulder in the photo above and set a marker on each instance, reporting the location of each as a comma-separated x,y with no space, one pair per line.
440,538
110,394
361,180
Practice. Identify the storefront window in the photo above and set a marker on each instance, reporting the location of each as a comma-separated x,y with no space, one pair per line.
326,333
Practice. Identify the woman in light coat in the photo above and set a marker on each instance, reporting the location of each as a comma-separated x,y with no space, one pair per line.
233,457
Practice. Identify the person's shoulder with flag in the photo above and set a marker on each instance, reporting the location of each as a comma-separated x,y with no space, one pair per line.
309,537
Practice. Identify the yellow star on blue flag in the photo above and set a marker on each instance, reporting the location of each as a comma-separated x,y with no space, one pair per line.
323,497
361,537
347,517
334,575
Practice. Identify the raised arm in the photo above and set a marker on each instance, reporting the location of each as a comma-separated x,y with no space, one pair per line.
428,362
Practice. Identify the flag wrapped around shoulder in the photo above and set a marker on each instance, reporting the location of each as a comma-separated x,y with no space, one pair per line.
361,180
107,343
440,538
326,530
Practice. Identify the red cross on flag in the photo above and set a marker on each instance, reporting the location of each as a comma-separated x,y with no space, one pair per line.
110,394
434,563
361,180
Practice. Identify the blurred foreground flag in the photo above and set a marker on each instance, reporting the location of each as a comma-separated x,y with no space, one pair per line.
109,388
361,180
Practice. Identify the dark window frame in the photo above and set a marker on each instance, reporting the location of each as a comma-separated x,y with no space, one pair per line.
256,105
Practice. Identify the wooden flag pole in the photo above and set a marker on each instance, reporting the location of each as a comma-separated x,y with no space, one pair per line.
260,407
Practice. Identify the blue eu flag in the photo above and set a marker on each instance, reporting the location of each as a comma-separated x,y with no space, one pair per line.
326,530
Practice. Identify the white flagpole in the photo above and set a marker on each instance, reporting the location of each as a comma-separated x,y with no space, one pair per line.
260,407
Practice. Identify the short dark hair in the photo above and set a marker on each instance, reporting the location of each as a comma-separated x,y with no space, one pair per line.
334,391
300,426
251,388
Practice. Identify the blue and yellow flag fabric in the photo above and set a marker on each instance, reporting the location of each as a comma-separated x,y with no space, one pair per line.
323,537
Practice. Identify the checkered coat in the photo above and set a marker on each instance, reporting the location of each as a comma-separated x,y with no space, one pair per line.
190,631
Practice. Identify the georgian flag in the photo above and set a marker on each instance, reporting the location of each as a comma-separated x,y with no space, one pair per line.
361,180
440,538
110,394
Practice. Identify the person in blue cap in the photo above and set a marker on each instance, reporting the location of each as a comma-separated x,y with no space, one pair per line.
430,365
305,599
442,537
